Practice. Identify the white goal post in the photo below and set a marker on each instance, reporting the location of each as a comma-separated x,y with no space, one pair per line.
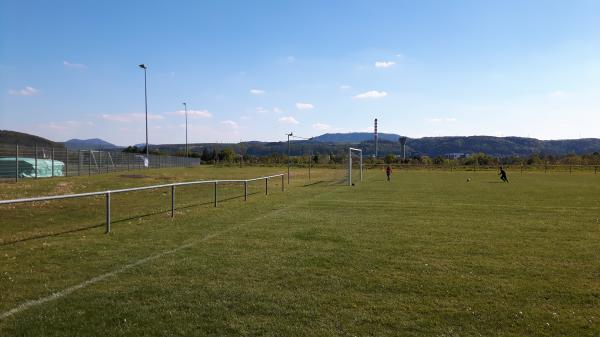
359,152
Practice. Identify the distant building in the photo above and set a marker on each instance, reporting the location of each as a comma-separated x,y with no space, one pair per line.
456,155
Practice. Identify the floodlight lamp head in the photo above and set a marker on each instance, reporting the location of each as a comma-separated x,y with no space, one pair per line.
143,66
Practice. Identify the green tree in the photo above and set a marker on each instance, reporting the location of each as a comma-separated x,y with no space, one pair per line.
206,155
227,155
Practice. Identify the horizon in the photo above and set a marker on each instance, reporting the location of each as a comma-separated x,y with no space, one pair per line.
296,140
255,71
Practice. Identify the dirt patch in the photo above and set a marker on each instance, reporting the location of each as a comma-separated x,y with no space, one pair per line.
63,188
133,176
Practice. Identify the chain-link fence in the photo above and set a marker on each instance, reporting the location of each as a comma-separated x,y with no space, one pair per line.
548,168
19,162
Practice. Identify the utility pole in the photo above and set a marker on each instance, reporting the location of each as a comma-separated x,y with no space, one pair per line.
186,138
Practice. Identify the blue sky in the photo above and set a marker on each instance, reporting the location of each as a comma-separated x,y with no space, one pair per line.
254,70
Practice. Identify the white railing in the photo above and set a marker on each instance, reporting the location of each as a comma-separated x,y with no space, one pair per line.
172,186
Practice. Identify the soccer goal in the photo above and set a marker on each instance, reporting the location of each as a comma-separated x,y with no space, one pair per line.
352,152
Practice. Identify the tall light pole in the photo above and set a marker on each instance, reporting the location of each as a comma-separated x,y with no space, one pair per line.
143,66
289,135
186,141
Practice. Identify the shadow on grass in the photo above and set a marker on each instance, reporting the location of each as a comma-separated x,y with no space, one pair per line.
315,183
81,229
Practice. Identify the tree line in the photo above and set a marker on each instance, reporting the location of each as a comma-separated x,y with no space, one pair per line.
338,155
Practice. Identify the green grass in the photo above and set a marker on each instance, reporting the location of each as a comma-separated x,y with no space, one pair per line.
425,255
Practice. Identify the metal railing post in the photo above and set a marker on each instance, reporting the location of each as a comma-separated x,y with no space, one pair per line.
172,201
66,162
36,162
246,190
266,186
107,213
52,154
90,164
17,163
215,194
282,183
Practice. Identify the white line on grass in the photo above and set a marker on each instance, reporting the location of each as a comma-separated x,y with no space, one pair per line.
31,303
93,280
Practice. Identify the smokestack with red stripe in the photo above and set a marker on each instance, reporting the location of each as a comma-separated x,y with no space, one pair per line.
376,138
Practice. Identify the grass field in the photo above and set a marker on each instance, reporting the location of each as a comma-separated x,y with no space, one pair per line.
427,254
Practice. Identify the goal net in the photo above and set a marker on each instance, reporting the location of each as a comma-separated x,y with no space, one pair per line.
355,160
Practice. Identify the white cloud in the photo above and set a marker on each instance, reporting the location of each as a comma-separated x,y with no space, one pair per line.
257,92
345,86
371,94
441,120
304,106
400,55
230,124
130,117
277,110
193,113
288,120
27,91
261,110
68,64
384,64
321,126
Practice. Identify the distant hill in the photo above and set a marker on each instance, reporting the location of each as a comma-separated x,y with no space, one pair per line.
89,144
25,139
338,143
439,146
354,137
502,146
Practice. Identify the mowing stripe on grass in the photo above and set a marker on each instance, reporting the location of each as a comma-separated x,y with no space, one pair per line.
31,303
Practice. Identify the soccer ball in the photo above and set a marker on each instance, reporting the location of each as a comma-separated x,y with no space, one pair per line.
468,180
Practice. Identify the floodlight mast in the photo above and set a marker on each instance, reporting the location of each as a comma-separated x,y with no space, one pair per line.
145,67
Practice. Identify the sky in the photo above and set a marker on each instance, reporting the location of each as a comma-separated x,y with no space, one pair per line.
256,70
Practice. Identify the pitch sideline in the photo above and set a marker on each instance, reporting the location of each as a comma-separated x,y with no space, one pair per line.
32,303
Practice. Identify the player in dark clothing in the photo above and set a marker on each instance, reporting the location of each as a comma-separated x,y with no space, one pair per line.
388,172
503,175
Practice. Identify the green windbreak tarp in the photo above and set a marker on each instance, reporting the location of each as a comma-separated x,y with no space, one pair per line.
27,167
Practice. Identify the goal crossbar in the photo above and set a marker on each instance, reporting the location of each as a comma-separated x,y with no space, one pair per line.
359,151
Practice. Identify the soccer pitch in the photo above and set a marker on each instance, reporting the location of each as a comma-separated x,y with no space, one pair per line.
427,254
